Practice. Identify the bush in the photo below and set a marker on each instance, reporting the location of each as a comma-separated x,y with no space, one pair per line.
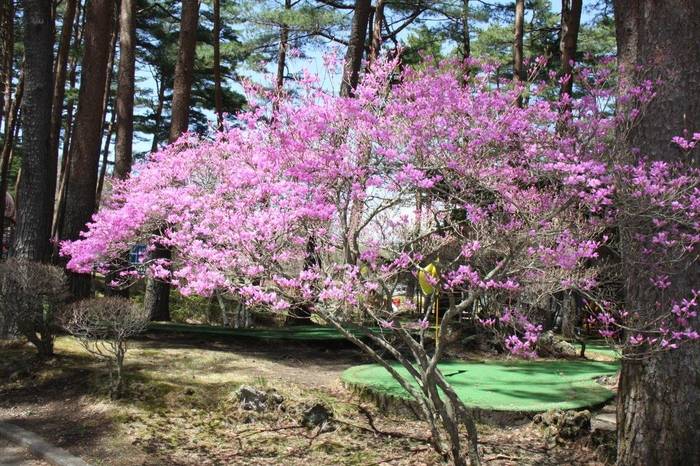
30,294
102,326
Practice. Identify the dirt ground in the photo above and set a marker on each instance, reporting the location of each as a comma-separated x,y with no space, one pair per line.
180,407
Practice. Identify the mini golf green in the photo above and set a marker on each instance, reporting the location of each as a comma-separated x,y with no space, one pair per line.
518,385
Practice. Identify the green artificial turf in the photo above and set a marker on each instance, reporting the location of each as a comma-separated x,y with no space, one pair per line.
302,332
599,346
517,385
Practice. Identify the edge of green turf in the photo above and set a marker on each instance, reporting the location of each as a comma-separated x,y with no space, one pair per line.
512,386
303,333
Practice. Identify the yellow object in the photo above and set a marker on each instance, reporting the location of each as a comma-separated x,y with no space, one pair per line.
426,287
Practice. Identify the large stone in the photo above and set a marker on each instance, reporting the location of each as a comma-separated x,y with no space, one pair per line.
561,426
549,345
317,415
256,400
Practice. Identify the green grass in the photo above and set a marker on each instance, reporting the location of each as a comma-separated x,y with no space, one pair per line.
529,386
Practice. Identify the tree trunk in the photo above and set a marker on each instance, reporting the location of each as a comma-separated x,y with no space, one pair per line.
60,71
184,69
218,105
157,299
158,114
518,73
466,41
105,160
8,45
570,25
125,91
376,45
85,148
67,133
282,53
37,185
7,148
107,137
658,397
356,47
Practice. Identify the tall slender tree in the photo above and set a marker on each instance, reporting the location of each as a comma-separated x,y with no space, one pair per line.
86,144
570,25
218,104
658,396
518,71
184,69
157,299
356,46
125,90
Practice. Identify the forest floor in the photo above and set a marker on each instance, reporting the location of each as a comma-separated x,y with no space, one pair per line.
180,407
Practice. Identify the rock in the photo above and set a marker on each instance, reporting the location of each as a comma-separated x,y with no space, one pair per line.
549,345
604,441
574,424
256,400
317,415
560,426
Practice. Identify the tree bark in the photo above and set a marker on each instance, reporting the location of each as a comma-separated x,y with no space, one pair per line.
466,41
8,146
37,185
570,25
78,28
125,91
8,45
356,47
184,69
376,35
658,397
518,73
218,105
60,71
282,53
86,144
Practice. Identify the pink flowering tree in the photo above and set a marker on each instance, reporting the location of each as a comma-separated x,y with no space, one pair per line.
328,203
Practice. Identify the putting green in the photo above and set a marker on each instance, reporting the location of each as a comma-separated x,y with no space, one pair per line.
533,386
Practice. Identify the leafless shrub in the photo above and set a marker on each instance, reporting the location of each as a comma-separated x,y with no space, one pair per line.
102,326
30,293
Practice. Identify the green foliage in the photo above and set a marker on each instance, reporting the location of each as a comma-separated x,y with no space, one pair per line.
422,43
157,42
194,309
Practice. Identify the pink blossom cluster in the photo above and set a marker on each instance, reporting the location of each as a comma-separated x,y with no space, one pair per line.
331,201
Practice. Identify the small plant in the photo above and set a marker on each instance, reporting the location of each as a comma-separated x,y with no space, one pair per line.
102,326
30,293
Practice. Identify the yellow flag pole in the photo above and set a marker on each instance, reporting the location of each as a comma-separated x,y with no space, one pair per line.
437,318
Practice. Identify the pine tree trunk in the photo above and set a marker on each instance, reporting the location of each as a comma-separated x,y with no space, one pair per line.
125,90
356,47
85,148
658,397
570,25
36,188
157,299
184,69
518,73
